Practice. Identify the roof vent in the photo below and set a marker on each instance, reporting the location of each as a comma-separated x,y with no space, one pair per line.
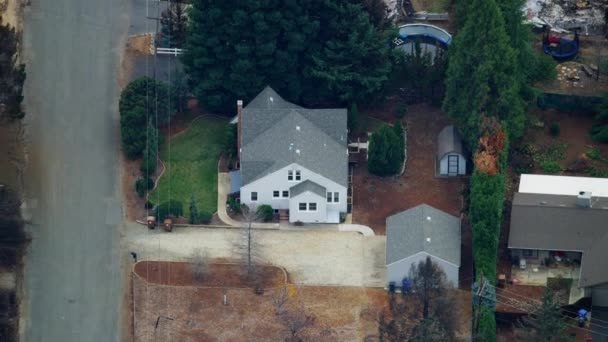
298,151
428,239
583,200
271,99
297,128
428,218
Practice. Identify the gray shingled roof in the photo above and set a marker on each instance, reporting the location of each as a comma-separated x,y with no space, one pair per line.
555,222
408,233
276,133
448,141
307,185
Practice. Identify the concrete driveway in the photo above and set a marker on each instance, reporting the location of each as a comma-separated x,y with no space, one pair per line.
311,257
72,279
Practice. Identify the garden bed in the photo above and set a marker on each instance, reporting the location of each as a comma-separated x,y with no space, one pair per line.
216,275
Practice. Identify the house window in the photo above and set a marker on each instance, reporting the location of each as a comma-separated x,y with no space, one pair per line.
290,175
276,193
530,253
298,175
312,206
285,193
302,206
254,196
333,197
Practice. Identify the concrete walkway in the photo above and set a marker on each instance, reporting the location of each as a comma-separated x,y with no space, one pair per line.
223,186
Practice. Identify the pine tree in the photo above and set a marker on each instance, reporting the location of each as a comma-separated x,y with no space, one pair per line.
174,22
546,323
314,52
193,218
482,77
354,62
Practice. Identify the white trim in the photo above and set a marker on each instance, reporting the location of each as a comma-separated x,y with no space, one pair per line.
422,252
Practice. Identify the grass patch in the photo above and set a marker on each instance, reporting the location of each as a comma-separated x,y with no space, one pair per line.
191,166
439,6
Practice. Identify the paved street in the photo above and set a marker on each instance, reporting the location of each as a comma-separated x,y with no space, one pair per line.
312,257
72,270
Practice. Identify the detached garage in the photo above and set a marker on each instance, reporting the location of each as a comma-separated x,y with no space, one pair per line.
416,233
450,153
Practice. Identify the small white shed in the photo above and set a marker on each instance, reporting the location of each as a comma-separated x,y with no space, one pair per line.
450,153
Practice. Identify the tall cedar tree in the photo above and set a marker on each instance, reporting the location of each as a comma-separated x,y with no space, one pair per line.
235,48
482,77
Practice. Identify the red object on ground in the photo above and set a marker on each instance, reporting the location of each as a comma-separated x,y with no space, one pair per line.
553,40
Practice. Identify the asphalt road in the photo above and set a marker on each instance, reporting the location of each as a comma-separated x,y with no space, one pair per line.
72,270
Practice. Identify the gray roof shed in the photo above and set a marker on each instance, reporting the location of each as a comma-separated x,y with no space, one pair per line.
449,141
556,223
276,133
423,229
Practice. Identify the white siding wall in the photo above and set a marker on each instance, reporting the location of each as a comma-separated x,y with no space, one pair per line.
278,181
443,164
397,270
318,216
599,295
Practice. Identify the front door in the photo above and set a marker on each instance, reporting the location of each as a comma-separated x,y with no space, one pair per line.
452,165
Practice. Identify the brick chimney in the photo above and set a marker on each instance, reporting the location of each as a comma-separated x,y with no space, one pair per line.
239,113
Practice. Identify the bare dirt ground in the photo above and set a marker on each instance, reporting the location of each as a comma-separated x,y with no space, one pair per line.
172,313
376,198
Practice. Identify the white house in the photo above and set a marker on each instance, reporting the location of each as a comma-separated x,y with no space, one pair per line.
293,158
420,232
450,153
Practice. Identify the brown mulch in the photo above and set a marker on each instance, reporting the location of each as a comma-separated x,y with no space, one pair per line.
218,275
376,198
517,298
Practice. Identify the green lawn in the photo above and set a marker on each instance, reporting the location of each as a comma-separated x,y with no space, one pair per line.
191,166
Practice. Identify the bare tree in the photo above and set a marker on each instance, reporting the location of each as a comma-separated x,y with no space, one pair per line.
436,296
279,299
296,320
199,263
247,246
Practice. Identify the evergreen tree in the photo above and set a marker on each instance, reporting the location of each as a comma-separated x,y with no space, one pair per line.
173,25
482,77
398,129
12,74
194,218
311,51
429,330
385,154
546,323
353,63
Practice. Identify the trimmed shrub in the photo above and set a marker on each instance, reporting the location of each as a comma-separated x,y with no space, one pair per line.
555,129
487,325
594,154
385,152
169,208
204,217
550,166
142,185
265,213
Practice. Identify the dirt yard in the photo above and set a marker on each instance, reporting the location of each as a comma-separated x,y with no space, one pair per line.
186,313
376,198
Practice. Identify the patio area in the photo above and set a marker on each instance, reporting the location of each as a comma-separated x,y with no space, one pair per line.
538,275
